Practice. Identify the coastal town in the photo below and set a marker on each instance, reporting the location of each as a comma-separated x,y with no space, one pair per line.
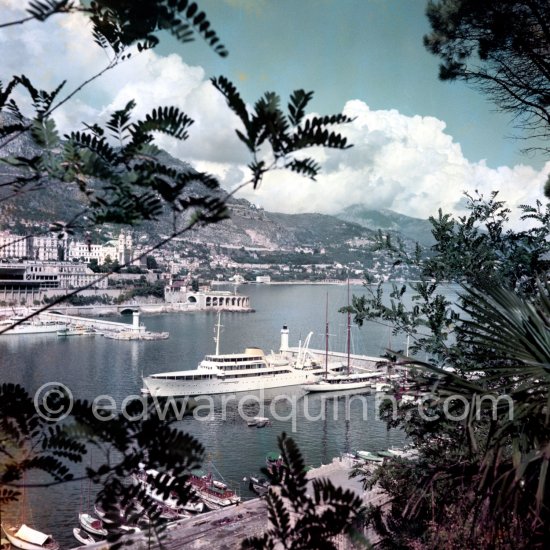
35,269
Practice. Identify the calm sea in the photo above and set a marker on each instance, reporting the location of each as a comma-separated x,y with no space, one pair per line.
91,366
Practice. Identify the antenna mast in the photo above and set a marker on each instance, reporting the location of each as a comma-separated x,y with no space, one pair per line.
217,337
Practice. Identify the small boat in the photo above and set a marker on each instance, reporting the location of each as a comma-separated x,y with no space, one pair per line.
258,422
81,536
92,525
260,485
273,462
369,456
76,331
136,335
29,539
386,454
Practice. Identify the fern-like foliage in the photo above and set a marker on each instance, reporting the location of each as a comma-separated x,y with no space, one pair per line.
32,440
286,133
298,519
42,9
119,24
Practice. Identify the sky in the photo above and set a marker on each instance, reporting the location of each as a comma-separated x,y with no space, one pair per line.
418,143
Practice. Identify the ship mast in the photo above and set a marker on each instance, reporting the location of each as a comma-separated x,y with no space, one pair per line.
349,331
217,337
326,338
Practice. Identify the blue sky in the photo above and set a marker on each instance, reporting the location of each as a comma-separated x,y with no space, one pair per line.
350,49
419,143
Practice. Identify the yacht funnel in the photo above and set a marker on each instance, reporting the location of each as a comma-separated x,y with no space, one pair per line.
284,338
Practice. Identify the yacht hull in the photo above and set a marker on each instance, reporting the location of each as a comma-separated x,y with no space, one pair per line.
331,387
174,388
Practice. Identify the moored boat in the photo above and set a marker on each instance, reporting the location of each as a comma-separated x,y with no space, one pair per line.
213,493
260,485
171,503
81,536
230,373
29,539
353,381
258,422
76,331
92,525
8,327
273,461
340,382
369,456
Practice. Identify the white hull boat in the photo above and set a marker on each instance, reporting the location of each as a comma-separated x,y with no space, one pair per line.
342,382
77,331
260,485
369,457
231,373
171,502
258,422
29,539
214,494
32,326
92,525
81,536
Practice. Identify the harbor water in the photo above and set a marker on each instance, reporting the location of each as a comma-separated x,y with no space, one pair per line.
93,366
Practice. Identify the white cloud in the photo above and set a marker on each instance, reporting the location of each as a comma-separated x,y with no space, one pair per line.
408,164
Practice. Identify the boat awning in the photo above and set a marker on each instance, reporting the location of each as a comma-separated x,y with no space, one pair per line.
31,535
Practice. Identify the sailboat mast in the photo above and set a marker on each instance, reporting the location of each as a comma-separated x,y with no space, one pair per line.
326,338
349,331
217,337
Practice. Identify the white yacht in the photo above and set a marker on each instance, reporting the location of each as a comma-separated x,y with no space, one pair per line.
230,373
353,381
30,326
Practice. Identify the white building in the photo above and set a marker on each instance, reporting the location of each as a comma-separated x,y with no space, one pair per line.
177,292
44,275
13,246
49,248
120,250
44,247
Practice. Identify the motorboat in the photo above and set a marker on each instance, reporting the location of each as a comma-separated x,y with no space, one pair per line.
258,422
92,525
76,331
369,456
171,502
29,539
260,485
215,494
273,461
84,538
